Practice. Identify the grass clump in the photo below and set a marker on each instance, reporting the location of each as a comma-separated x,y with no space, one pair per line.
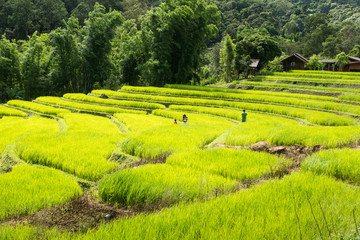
244,165
280,131
82,150
299,206
12,128
27,189
350,97
157,143
343,164
161,185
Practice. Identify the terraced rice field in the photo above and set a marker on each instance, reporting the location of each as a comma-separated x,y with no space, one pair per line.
291,171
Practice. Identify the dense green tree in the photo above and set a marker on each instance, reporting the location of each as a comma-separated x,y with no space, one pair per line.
129,53
274,65
331,47
35,66
21,16
177,31
294,28
227,57
314,63
242,64
355,52
66,70
9,68
99,31
258,44
349,36
49,14
342,60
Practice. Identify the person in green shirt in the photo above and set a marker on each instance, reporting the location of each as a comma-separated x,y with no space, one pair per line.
243,116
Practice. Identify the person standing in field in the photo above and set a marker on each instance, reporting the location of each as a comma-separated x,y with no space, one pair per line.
185,119
243,116
175,122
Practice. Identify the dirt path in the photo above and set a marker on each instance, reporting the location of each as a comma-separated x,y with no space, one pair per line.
78,215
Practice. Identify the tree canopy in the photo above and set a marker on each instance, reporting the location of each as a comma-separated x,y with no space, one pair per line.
57,46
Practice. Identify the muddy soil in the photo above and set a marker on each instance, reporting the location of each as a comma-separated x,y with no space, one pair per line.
78,215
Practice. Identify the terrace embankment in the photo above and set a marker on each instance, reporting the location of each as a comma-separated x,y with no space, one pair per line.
297,152
78,215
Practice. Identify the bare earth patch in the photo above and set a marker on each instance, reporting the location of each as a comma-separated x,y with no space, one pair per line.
78,215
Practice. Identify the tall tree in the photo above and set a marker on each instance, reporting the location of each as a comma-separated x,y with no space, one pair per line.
9,68
178,30
227,57
35,66
342,60
65,73
355,52
256,43
314,63
99,31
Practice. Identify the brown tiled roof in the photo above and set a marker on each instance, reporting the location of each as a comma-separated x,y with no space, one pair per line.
301,58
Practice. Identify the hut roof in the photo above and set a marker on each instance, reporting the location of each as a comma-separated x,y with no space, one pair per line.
301,58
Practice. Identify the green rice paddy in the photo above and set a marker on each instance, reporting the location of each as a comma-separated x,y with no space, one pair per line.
188,180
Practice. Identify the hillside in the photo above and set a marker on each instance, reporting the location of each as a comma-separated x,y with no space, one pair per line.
115,164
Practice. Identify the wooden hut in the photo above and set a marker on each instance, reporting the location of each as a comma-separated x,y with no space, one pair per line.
294,62
354,65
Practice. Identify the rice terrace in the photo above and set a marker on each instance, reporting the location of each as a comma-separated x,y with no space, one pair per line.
114,165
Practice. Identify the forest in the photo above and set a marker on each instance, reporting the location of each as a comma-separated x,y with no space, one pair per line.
50,47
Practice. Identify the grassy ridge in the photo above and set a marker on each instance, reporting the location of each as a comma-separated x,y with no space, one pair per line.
288,132
37,107
309,80
159,142
232,94
324,105
350,97
222,112
136,122
87,107
321,118
343,164
230,90
27,189
298,206
12,128
5,111
230,163
131,104
82,150
278,131
295,86
324,74
161,185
